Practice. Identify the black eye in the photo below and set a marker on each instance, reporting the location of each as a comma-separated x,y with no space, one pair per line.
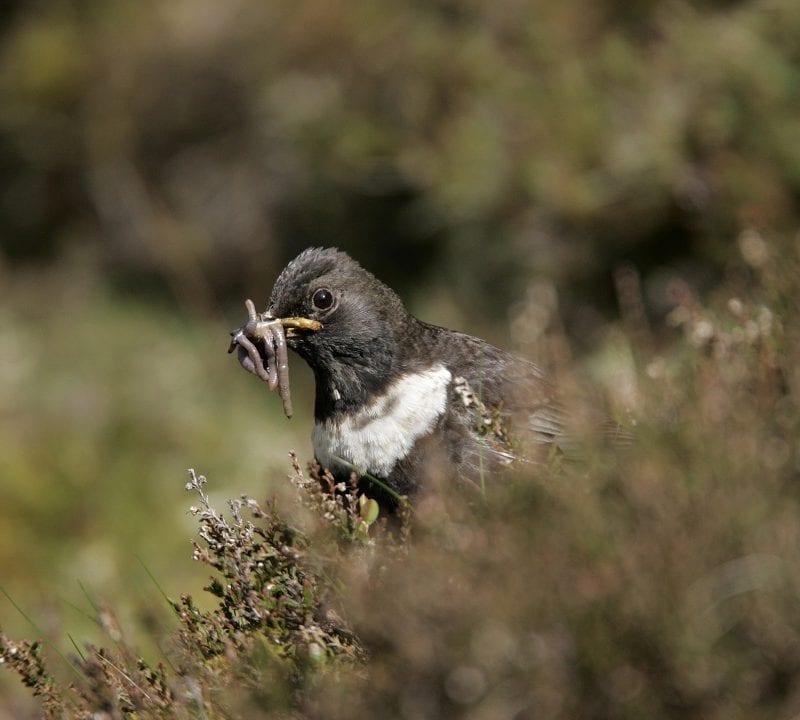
322,299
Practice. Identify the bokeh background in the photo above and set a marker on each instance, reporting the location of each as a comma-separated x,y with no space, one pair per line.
496,161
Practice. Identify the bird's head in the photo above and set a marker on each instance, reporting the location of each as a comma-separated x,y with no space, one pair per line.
360,320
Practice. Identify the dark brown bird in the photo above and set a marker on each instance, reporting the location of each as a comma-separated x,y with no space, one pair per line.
395,394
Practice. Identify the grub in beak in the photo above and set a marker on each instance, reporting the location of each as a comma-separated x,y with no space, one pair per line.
293,324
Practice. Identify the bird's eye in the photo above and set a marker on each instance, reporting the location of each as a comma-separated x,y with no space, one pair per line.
322,299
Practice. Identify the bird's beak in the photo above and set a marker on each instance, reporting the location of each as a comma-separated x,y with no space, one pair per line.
293,324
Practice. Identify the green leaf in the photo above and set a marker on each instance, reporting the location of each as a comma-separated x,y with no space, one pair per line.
369,509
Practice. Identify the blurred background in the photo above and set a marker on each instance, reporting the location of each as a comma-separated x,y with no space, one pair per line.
496,161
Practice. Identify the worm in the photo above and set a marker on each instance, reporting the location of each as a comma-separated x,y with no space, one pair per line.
282,365
267,333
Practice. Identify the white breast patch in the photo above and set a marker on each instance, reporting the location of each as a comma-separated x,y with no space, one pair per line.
377,436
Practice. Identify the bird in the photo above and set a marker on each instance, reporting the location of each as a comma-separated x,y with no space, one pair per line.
394,395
